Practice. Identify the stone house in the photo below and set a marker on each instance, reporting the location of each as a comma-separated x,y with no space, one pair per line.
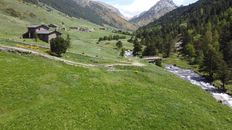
41,32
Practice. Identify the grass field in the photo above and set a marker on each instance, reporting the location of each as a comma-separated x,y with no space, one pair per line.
39,94
20,17
179,61
12,27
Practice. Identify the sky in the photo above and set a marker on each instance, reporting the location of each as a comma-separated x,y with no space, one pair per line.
130,8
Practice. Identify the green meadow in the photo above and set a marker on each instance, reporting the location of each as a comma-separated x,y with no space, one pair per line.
82,43
40,94
37,93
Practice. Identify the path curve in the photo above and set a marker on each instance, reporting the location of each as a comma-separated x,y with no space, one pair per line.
73,63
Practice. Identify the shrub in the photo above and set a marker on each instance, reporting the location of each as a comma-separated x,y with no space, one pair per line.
32,15
59,45
159,63
122,53
119,44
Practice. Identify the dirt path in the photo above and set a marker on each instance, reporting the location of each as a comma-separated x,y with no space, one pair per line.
137,64
68,62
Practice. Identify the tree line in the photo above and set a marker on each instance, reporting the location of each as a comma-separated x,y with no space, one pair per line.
122,32
111,37
204,30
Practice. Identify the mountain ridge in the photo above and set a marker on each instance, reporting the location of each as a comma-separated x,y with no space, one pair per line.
93,11
155,12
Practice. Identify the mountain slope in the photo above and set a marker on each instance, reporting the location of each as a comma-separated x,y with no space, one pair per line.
201,11
161,8
16,15
193,18
204,29
97,12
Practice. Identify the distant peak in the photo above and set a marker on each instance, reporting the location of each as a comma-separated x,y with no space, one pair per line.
155,12
167,1
170,1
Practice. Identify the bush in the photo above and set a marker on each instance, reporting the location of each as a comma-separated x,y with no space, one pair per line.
32,15
59,45
119,44
159,63
122,53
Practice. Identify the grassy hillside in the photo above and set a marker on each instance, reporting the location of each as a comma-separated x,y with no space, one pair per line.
37,93
93,11
41,94
15,17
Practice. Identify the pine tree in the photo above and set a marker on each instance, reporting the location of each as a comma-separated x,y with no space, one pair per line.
211,61
208,38
137,48
122,53
226,44
223,73
119,44
150,50
190,50
168,46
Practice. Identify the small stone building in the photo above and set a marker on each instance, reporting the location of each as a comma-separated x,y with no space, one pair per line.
41,32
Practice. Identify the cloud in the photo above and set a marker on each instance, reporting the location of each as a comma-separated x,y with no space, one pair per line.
132,8
179,2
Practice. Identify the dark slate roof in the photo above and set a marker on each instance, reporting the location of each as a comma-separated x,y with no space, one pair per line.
43,32
46,32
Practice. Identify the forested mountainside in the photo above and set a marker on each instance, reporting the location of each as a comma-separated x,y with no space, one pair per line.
159,9
205,31
96,12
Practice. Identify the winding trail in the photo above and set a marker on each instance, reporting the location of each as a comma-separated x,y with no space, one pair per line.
200,81
68,62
